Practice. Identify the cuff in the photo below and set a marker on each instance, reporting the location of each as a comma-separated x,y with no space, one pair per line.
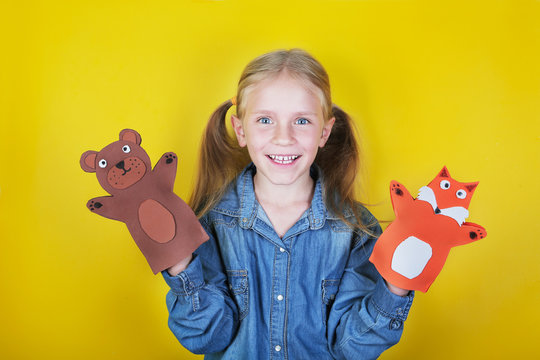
188,281
389,304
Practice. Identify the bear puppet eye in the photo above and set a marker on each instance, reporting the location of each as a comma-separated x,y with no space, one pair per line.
126,149
102,163
445,184
461,194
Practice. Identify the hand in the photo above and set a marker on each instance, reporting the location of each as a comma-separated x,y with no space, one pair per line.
396,290
181,266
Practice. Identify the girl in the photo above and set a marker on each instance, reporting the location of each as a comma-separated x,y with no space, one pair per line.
285,274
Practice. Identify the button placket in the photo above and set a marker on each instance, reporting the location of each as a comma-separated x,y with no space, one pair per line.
279,306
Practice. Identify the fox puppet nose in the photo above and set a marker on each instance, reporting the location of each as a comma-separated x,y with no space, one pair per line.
437,211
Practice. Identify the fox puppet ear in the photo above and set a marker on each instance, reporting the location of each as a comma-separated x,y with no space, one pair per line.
131,136
471,186
444,172
88,161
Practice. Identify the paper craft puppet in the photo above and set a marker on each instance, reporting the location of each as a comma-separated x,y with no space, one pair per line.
163,226
411,252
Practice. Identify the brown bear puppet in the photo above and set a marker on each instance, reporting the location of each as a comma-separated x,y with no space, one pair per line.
163,225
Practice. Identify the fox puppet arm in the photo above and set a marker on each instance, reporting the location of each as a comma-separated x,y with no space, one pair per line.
411,252
470,232
401,198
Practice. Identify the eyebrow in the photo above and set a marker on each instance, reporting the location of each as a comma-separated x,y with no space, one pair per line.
298,113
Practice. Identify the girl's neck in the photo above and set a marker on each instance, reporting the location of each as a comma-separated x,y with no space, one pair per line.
284,204
283,195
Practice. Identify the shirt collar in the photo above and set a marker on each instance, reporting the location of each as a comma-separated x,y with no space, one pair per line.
316,213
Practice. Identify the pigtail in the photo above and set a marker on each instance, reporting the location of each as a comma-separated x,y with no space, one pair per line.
221,159
339,161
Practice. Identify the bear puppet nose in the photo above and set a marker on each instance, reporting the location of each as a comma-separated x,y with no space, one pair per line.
120,165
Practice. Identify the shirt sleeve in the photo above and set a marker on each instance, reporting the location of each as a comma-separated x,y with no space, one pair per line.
366,318
202,315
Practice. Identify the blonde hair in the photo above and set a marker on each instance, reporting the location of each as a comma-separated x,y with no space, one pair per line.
222,159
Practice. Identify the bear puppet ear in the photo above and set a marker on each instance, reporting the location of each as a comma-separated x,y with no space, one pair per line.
88,161
131,136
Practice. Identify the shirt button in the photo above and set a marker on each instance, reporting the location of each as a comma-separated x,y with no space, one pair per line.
395,324
280,297
281,249
277,348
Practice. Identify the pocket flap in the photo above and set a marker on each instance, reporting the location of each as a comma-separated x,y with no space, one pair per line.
237,281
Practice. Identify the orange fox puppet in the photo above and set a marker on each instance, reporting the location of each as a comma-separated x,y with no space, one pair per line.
411,252
163,226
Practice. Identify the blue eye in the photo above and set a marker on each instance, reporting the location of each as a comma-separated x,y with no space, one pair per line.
302,121
264,120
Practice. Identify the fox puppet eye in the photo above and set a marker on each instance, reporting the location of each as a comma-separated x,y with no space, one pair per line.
445,184
126,149
102,163
461,194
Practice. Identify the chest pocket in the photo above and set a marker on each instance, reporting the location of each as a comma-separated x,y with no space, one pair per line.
329,292
239,288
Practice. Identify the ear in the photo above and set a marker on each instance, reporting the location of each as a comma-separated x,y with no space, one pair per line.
239,130
131,136
327,129
471,186
88,161
444,172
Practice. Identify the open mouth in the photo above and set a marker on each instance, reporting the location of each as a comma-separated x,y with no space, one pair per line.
283,159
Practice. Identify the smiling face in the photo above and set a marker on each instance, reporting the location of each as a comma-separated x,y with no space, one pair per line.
282,126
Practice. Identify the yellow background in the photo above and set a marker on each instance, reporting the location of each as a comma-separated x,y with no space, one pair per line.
430,83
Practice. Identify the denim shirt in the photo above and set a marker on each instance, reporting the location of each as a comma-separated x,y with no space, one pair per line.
312,294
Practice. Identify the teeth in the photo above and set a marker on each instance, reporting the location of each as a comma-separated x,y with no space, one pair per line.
280,159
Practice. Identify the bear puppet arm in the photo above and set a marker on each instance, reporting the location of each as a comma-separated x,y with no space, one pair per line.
106,207
165,171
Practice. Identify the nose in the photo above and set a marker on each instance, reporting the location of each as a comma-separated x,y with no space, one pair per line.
283,135
120,165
